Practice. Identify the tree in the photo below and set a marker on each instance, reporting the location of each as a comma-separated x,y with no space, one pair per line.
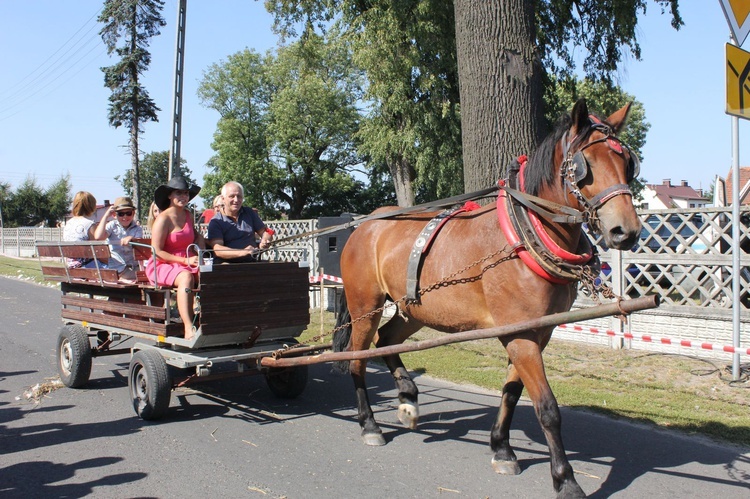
27,206
287,127
407,50
58,200
154,170
133,22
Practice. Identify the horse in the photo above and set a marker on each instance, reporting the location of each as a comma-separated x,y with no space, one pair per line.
580,164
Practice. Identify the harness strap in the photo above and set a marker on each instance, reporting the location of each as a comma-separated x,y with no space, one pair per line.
423,243
608,194
561,213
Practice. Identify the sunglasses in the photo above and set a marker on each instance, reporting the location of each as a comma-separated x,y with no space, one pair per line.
128,213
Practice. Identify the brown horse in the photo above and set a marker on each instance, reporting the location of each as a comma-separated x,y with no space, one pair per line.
487,292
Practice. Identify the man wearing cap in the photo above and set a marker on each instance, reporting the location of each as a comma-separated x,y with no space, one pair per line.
234,232
118,233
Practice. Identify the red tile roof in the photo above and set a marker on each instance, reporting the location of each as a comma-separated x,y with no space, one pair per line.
666,192
744,178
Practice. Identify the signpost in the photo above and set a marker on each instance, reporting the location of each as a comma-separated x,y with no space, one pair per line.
738,95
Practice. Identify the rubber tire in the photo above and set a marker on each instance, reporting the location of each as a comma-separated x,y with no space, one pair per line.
150,384
73,356
288,382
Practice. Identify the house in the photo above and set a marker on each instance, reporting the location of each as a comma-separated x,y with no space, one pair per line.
744,186
665,195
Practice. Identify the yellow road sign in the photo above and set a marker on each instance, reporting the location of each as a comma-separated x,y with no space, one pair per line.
736,12
738,81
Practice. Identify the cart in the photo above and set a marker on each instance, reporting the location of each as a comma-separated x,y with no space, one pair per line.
244,312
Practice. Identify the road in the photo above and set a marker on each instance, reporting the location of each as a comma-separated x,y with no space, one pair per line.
234,439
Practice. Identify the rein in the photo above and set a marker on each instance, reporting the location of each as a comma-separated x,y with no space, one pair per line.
431,206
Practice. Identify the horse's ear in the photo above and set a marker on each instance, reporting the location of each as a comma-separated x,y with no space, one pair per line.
618,118
580,116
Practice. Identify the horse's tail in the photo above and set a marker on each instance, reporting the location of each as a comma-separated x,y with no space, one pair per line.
342,336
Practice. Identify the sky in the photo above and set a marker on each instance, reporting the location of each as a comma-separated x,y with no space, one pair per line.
53,104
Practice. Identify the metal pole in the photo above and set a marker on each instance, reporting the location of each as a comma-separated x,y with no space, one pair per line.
736,283
174,157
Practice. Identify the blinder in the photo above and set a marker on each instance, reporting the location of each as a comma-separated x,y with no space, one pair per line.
581,165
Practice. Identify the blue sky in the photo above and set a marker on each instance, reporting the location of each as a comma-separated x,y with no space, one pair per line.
53,105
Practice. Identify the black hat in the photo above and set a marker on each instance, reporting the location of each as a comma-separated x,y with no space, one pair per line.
161,195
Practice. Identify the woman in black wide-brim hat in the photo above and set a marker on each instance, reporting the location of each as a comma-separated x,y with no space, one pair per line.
171,235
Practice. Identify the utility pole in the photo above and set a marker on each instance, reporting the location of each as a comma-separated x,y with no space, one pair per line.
179,64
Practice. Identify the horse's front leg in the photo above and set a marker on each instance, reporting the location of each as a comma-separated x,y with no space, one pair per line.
505,461
371,432
526,356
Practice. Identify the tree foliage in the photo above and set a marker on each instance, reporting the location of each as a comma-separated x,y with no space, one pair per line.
30,205
154,169
287,127
407,50
132,23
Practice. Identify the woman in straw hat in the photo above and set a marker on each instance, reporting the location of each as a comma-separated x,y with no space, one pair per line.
171,235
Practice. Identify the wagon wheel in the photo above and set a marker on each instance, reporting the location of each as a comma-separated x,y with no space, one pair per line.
73,356
287,383
150,384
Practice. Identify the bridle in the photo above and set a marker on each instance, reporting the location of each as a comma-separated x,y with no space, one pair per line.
575,168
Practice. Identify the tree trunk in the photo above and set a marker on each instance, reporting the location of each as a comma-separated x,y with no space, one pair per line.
403,179
500,83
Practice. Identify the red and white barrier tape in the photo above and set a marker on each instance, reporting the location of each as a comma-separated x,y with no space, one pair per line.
652,339
321,277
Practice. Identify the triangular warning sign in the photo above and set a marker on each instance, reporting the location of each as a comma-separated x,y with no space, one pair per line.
736,12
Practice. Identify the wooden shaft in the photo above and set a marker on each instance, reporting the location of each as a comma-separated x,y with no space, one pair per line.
616,308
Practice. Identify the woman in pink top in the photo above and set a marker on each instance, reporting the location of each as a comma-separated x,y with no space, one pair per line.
171,235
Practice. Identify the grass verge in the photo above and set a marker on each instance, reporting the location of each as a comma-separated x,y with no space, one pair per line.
21,268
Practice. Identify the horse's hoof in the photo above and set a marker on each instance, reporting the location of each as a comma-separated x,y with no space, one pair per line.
571,490
374,439
506,467
408,414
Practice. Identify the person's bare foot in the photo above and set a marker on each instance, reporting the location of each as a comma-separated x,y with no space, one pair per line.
189,332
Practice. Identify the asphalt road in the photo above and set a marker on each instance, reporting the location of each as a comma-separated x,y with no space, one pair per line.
234,439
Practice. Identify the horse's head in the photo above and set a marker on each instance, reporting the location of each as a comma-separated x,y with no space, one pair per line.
596,168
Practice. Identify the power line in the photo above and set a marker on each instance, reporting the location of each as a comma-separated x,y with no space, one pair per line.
54,67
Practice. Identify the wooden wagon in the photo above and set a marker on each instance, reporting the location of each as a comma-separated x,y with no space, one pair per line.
244,312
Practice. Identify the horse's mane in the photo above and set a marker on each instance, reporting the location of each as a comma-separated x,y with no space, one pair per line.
538,172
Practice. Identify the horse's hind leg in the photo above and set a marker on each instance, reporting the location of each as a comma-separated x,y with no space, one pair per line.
362,335
505,461
394,332
526,357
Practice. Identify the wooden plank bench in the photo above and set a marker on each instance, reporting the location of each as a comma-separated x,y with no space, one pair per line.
58,270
